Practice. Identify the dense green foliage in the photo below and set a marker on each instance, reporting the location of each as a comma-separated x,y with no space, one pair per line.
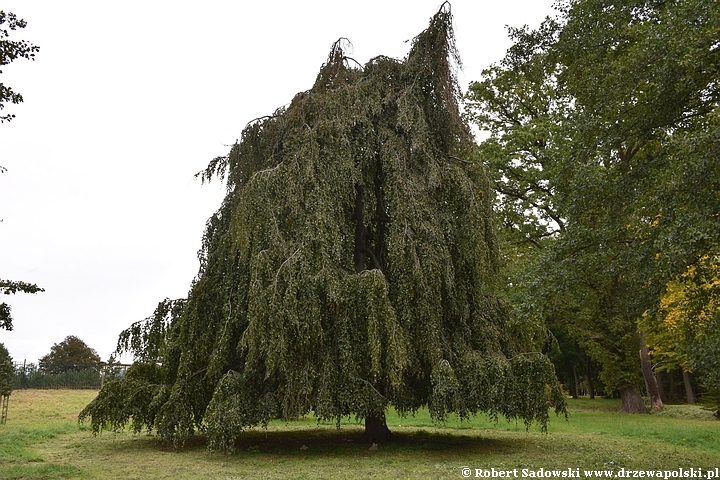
350,268
6,371
685,330
70,354
604,143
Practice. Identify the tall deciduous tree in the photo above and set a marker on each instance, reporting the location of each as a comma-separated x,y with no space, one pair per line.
646,82
635,181
521,107
528,112
70,354
350,268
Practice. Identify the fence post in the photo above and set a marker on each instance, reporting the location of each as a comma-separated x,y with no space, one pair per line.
4,402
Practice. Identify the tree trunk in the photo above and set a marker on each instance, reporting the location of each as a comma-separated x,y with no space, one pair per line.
588,373
632,402
687,379
661,388
673,385
650,381
4,402
575,384
376,430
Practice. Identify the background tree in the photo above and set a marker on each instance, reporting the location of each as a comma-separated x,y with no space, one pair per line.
6,371
6,381
70,354
685,331
519,103
521,107
646,79
646,82
633,175
350,268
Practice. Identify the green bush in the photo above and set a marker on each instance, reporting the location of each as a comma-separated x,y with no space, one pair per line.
6,371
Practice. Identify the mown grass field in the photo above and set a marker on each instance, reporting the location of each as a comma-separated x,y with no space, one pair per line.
43,440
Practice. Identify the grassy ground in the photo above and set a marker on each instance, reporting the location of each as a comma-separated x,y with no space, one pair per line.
43,440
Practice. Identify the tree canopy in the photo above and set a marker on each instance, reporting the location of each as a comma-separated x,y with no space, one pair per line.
70,354
603,147
351,267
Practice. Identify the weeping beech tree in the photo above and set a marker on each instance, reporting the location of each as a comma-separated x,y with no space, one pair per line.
350,268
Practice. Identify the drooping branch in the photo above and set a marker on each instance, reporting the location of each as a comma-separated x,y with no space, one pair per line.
348,247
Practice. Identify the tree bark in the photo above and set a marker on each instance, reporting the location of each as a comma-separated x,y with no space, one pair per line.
632,402
650,381
689,393
575,384
376,430
673,385
588,373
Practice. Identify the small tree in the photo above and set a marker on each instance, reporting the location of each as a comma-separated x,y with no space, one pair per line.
6,381
70,354
6,371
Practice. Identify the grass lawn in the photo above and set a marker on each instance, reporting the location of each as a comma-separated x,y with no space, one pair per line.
43,440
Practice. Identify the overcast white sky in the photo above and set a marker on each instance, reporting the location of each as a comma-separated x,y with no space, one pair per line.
127,100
